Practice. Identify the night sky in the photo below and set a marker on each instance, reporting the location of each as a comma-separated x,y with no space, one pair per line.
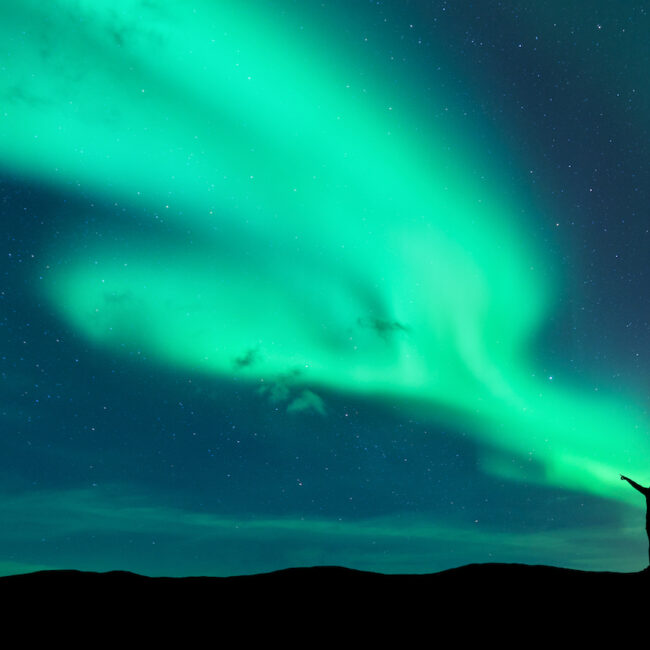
323,282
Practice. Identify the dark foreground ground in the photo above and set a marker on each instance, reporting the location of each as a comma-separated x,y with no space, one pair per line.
510,603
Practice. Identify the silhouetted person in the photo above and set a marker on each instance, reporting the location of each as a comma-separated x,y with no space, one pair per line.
646,493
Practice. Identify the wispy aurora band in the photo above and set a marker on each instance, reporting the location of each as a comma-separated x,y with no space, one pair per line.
314,224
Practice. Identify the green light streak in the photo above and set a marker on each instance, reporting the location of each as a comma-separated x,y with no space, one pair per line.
211,543
327,241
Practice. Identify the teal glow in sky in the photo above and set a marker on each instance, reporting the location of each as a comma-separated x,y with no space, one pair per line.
248,206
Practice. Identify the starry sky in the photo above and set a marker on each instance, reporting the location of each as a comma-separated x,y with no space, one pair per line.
323,282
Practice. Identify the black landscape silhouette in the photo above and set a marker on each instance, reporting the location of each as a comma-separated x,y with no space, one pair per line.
472,602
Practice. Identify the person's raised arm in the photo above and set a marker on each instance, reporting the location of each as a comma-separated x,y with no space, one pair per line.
635,485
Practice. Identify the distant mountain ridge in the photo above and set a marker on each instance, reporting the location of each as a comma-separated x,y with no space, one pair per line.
467,599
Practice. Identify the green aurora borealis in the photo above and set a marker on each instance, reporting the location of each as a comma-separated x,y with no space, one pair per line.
308,229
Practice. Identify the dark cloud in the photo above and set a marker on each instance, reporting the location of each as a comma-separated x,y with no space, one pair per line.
384,328
248,358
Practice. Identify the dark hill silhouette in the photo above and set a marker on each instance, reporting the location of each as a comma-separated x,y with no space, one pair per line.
471,600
